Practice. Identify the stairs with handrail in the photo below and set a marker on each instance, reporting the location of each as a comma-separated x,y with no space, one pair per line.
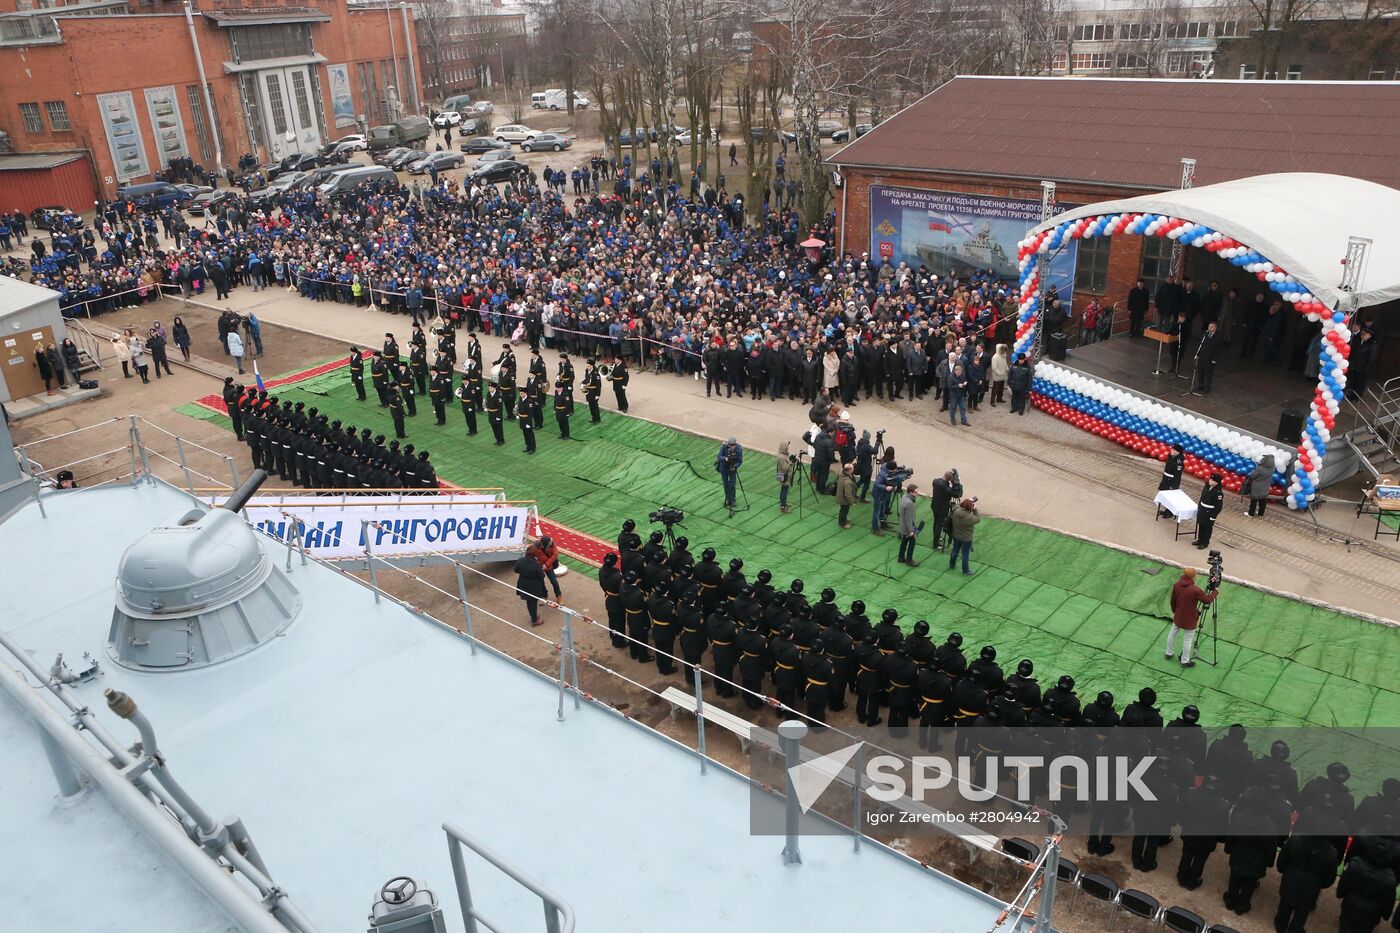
1377,440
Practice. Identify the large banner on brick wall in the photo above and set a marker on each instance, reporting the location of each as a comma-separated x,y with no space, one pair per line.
955,233
164,108
123,135
342,105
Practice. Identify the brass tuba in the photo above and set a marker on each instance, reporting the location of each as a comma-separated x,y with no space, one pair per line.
605,371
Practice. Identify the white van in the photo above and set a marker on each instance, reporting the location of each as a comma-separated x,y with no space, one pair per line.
558,100
343,182
537,100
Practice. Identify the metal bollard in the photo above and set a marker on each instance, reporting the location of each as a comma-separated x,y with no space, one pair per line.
369,559
790,736
466,609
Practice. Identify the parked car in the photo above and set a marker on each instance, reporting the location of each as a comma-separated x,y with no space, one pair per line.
407,159
447,118
553,142
458,102
844,134
284,182
342,183
470,127
828,127
482,144
762,133
497,155
498,171
684,137
514,133
352,143
194,191
386,156
558,99
42,218
209,201
443,161
483,107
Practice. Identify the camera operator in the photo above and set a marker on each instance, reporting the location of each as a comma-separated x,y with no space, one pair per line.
1187,599
947,489
727,461
786,465
908,529
823,455
964,518
865,466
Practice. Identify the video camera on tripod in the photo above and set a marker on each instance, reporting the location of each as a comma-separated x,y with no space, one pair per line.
1216,572
667,516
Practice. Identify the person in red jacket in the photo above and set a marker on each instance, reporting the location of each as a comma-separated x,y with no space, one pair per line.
546,553
1187,599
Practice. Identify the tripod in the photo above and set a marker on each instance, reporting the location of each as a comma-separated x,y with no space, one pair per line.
1212,635
671,536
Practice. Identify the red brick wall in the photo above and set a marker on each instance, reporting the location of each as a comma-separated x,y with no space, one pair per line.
1125,255
106,54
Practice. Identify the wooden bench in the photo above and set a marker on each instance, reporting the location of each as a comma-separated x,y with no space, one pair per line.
748,733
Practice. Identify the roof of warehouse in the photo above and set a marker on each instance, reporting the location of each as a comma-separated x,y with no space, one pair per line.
21,161
1134,132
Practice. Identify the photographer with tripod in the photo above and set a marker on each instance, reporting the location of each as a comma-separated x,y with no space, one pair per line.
727,462
1187,601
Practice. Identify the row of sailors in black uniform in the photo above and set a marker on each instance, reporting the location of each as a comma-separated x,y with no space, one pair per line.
305,448
499,403
668,599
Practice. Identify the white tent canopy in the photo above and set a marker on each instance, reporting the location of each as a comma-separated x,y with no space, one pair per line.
1300,221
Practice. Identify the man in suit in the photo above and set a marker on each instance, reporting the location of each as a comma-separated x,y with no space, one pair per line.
1206,355
1208,510
1138,299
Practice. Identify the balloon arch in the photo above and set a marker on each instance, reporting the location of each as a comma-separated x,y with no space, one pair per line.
1332,360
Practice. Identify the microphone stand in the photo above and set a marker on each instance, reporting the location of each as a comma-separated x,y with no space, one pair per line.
1195,368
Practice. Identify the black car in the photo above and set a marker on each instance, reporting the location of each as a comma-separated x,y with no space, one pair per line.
39,217
482,144
407,159
386,156
493,172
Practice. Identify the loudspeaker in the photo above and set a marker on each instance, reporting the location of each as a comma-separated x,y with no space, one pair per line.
1290,427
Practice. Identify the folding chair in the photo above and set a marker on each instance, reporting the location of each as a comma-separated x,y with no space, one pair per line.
1067,872
1181,920
1020,849
1101,888
1138,904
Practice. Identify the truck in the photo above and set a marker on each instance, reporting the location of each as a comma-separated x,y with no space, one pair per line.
409,131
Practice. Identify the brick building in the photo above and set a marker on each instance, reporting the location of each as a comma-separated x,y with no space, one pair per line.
969,158
467,47
121,80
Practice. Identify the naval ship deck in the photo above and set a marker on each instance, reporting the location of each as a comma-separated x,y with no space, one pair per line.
344,745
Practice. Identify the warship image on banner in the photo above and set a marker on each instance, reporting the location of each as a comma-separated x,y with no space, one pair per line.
980,251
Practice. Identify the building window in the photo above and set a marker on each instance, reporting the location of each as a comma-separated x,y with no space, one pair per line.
1091,268
1227,27
1198,30
1188,62
58,115
1248,72
1295,72
1156,260
1093,32
1057,63
33,120
1092,61
195,96
1060,33
299,95
1140,31
274,103
270,40
1129,61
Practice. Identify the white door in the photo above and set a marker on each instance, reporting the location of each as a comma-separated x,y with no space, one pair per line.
289,113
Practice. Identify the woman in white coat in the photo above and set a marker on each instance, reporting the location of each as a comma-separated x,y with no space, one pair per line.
122,350
235,349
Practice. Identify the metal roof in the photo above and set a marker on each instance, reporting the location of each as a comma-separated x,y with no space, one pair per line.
261,16
26,161
1134,132
347,742
17,296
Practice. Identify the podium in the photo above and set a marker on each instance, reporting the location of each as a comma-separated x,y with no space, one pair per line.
1181,506
1163,339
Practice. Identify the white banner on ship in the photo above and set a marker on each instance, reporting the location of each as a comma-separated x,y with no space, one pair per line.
399,525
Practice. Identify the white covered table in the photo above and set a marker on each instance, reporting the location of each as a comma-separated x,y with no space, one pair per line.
1181,506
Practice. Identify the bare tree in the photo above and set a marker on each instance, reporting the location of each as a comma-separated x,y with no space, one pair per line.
433,24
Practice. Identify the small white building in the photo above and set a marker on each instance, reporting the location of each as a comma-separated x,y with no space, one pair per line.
29,320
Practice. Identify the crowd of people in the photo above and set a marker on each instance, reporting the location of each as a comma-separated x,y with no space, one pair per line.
783,650
658,274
